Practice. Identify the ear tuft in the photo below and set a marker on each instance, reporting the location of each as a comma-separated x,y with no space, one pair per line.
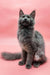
21,13
33,14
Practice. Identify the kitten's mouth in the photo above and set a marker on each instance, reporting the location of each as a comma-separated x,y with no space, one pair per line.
25,23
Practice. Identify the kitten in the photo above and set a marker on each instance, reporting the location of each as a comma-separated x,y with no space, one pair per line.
31,42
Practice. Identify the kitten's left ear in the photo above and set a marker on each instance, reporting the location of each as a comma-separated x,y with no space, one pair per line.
33,14
21,13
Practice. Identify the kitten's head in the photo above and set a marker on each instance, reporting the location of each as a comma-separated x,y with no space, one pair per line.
26,20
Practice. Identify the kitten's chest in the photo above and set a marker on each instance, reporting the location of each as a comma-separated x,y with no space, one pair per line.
24,39
24,35
23,43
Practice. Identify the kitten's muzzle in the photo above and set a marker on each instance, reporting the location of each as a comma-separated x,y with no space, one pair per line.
25,19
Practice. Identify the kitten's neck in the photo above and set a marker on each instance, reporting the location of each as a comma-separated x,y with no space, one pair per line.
27,27
27,31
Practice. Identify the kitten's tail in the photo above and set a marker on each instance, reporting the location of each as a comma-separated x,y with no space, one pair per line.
11,56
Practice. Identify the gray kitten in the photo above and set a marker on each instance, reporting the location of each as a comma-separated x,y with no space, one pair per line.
31,42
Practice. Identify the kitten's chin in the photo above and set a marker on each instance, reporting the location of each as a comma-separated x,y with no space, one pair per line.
25,24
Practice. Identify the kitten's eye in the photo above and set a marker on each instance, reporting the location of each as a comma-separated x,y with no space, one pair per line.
23,16
28,16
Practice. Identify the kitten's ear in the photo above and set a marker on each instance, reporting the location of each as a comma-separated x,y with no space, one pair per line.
21,13
33,14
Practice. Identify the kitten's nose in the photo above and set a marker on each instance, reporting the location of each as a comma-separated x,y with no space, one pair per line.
25,18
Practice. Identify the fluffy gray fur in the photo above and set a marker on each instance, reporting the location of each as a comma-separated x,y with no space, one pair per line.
31,41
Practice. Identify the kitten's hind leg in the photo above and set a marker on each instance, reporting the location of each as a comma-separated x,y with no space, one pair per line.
38,60
43,59
36,64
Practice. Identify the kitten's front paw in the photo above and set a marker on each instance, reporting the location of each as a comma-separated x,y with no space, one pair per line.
28,66
21,63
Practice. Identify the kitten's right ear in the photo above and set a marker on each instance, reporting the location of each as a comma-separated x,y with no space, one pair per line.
33,14
21,13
